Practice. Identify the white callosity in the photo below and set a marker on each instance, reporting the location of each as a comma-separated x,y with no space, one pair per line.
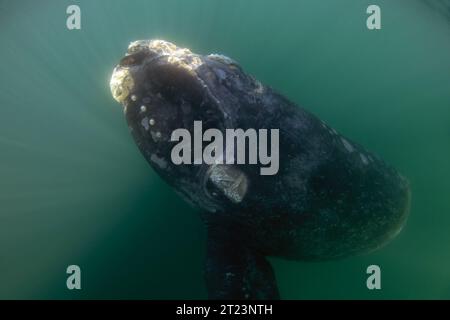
122,82
178,56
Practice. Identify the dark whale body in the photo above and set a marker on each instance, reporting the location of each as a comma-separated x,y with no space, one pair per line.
331,198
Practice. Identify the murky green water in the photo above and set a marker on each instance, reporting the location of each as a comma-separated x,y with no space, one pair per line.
74,188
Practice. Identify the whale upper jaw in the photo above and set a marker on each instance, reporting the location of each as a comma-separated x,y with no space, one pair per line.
144,52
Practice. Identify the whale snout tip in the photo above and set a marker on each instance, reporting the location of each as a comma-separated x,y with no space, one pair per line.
121,84
141,54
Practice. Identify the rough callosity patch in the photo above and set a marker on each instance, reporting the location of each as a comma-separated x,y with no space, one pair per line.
181,57
121,84
160,47
188,62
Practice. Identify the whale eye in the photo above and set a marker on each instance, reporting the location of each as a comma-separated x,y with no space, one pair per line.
226,181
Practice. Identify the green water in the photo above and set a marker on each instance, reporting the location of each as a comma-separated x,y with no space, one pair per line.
74,188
